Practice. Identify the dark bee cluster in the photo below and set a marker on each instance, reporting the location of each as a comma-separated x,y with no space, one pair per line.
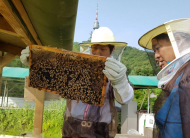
72,77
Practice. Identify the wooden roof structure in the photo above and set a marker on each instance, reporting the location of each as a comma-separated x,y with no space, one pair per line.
36,22
39,22
24,22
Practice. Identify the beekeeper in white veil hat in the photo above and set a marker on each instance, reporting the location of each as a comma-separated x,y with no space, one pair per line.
104,36
171,43
90,121
105,118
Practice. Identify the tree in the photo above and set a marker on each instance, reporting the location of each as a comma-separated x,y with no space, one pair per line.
76,47
89,39
17,63
139,95
136,61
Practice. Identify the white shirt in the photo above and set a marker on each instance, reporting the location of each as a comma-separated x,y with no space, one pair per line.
81,111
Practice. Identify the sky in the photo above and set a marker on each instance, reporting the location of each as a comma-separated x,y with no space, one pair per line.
128,19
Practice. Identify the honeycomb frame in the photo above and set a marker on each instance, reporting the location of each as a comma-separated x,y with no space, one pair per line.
85,82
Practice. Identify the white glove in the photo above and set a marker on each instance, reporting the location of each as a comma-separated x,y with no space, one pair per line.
115,71
25,56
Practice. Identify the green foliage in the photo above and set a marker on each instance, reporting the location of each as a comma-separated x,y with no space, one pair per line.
119,123
136,61
53,119
17,63
139,96
15,88
18,121
89,39
76,47
143,71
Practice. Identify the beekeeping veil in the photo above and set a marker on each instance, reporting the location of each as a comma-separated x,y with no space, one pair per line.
179,35
82,119
104,36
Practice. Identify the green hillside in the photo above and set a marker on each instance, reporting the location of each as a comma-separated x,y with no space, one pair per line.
136,61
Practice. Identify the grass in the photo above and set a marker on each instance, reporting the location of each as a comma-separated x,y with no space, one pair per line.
20,121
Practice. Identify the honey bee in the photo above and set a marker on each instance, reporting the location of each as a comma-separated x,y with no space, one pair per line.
72,76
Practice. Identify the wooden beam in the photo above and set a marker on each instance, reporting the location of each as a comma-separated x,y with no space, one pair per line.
11,38
10,49
38,116
18,4
4,25
7,59
14,21
30,93
9,32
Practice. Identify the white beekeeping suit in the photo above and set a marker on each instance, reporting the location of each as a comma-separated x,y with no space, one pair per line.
171,43
179,35
87,120
117,87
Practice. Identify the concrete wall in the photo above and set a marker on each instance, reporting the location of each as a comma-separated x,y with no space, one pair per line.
128,117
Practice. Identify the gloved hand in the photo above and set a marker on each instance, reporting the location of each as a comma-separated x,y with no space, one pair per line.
115,71
25,56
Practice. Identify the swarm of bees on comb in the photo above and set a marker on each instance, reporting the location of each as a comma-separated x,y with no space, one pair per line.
72,75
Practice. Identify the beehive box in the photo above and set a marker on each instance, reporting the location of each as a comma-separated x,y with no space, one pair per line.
72,75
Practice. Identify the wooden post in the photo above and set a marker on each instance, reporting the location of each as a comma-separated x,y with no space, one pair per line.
1,72
7,92
143,100
38,117
4,94
32,94
148,101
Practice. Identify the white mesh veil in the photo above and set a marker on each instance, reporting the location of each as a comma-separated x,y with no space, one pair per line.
179,35
117,54
104,36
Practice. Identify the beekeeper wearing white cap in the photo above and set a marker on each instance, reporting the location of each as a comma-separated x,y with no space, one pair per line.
171,43
91,121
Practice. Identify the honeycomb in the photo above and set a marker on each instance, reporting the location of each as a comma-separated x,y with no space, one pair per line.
72,75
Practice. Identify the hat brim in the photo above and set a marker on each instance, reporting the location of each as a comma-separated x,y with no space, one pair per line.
145,40
116,44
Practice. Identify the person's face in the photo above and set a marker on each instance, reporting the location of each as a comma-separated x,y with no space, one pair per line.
101,50
161,63
163,52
